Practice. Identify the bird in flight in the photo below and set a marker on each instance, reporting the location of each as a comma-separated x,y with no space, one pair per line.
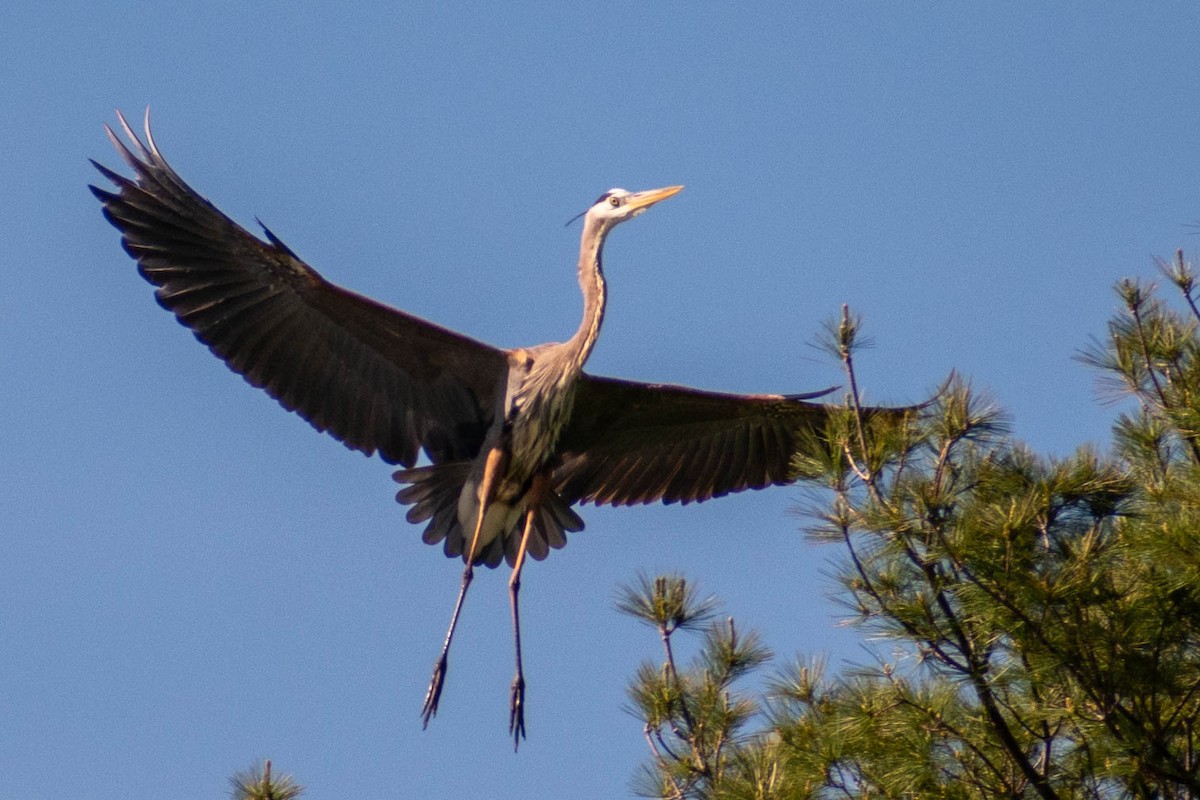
513,437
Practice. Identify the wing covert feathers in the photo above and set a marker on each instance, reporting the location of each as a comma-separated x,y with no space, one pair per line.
630,443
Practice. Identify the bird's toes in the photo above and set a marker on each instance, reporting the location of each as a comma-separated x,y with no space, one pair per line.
516,711
434,693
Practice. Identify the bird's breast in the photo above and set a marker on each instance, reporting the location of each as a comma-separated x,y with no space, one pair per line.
540,412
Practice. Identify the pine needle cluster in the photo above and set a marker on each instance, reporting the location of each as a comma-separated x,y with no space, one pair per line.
261,784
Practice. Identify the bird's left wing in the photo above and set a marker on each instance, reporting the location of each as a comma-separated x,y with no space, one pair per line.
629,443
376,378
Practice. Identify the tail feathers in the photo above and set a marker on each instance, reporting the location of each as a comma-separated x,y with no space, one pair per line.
554,519
433,491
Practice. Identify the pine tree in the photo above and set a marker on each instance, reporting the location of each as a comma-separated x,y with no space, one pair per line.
1043,613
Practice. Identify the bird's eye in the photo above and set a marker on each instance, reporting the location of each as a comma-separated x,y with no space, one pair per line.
614,201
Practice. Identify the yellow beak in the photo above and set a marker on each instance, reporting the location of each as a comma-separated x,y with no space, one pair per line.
651,196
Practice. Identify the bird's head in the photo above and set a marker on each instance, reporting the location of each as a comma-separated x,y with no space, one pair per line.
618,205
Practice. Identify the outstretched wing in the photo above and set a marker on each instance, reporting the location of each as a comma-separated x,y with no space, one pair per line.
630,443
372,376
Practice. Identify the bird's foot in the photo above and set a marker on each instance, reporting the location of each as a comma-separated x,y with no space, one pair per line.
434,692
516,711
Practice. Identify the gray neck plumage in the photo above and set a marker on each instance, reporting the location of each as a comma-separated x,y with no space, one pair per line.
545,392
552,375
591,282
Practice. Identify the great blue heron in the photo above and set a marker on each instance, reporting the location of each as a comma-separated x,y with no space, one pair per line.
514,437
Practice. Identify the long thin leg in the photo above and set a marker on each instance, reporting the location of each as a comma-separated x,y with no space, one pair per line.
491,469
516,707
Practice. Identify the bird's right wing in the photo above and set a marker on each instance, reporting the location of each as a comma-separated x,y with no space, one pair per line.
372,376
629,443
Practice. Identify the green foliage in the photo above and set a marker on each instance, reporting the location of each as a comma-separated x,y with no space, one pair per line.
693,719
260,784
1042,615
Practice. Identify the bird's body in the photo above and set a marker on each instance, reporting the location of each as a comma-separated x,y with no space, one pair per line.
535,408
514,438
534,411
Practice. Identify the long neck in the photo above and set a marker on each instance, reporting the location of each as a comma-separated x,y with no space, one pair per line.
591,282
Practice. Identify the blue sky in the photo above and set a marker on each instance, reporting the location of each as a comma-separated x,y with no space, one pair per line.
193,579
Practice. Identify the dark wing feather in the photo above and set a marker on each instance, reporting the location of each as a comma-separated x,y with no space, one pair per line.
630,443
372,376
